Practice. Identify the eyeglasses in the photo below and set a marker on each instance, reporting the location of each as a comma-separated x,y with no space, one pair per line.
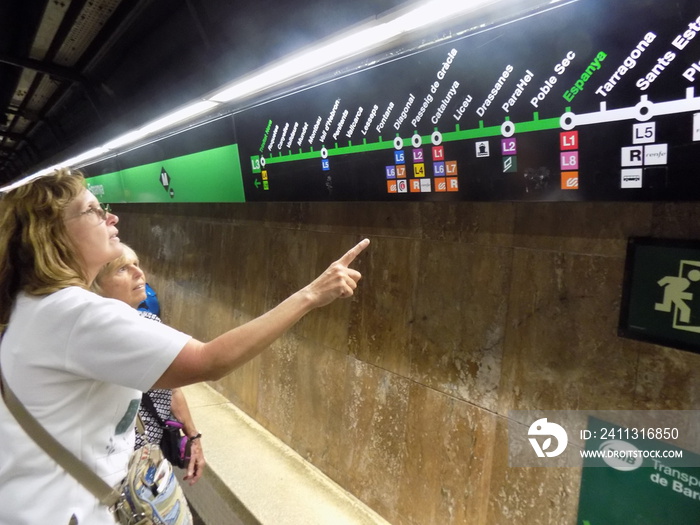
100,212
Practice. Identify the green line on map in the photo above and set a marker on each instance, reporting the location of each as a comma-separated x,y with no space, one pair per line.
450,136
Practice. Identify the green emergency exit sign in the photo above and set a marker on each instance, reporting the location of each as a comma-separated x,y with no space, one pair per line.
661,293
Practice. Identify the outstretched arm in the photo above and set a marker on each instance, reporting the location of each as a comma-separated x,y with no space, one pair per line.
199,361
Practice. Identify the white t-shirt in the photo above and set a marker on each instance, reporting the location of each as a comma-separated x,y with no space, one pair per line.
78,363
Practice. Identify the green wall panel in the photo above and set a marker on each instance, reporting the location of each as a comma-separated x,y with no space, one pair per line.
209,176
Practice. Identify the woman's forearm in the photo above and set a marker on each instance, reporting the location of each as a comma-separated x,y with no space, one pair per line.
182,412
199,361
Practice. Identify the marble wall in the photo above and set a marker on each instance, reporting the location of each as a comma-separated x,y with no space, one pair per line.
465,311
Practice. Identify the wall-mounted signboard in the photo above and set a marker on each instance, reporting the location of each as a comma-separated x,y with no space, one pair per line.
199,165
586,100
661,293
630,478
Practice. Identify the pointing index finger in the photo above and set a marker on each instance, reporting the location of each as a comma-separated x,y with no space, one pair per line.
350,255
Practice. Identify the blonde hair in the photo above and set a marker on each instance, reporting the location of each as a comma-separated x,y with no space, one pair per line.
111,267
36,253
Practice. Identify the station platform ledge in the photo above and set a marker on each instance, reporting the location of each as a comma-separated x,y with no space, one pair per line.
253,478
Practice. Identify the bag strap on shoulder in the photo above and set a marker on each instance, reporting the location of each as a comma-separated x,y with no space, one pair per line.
86,477
147,402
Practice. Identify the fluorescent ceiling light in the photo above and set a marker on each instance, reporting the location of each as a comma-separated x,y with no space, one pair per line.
304,63
161,124
123,140
36,175
433,12
348,45
178,116
88,155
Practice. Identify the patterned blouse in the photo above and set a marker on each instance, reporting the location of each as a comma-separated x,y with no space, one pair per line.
162,400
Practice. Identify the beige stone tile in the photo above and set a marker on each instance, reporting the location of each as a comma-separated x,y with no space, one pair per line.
668,379
371,451
595,228
490,223
244,270
381,321
562,349
277,388
176,307
676,220
364,219
318,425
241,386
284,215
460,301
290,263
448,460
532,495
329,326
441,221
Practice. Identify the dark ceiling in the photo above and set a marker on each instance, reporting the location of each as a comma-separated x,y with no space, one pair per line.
76,73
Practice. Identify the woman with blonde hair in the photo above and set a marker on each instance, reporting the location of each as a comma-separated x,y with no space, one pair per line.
124,279
79,362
